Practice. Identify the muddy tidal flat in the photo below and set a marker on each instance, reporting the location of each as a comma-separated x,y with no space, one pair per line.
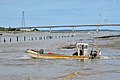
15,64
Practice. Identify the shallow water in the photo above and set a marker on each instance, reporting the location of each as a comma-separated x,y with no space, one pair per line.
15,64
38,69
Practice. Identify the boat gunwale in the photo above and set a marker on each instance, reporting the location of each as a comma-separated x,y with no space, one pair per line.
34,54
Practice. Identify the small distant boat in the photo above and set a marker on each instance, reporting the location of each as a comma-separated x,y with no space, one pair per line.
82,53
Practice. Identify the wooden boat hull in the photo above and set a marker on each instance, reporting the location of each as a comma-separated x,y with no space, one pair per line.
34,54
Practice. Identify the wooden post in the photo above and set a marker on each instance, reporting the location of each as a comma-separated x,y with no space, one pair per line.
40,38
32,39
10,40
24,38
44,37
17,38
4,40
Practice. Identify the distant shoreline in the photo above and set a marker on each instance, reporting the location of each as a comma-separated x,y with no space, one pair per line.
60,31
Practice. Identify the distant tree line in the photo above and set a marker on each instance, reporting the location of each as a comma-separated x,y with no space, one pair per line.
9,29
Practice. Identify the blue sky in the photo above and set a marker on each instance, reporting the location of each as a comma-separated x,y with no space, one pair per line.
58,12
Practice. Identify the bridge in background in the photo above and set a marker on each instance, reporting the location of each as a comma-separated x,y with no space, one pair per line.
80,25
71,26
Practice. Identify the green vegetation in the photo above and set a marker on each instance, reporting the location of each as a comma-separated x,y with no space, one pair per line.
9,29
2,29
35,29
